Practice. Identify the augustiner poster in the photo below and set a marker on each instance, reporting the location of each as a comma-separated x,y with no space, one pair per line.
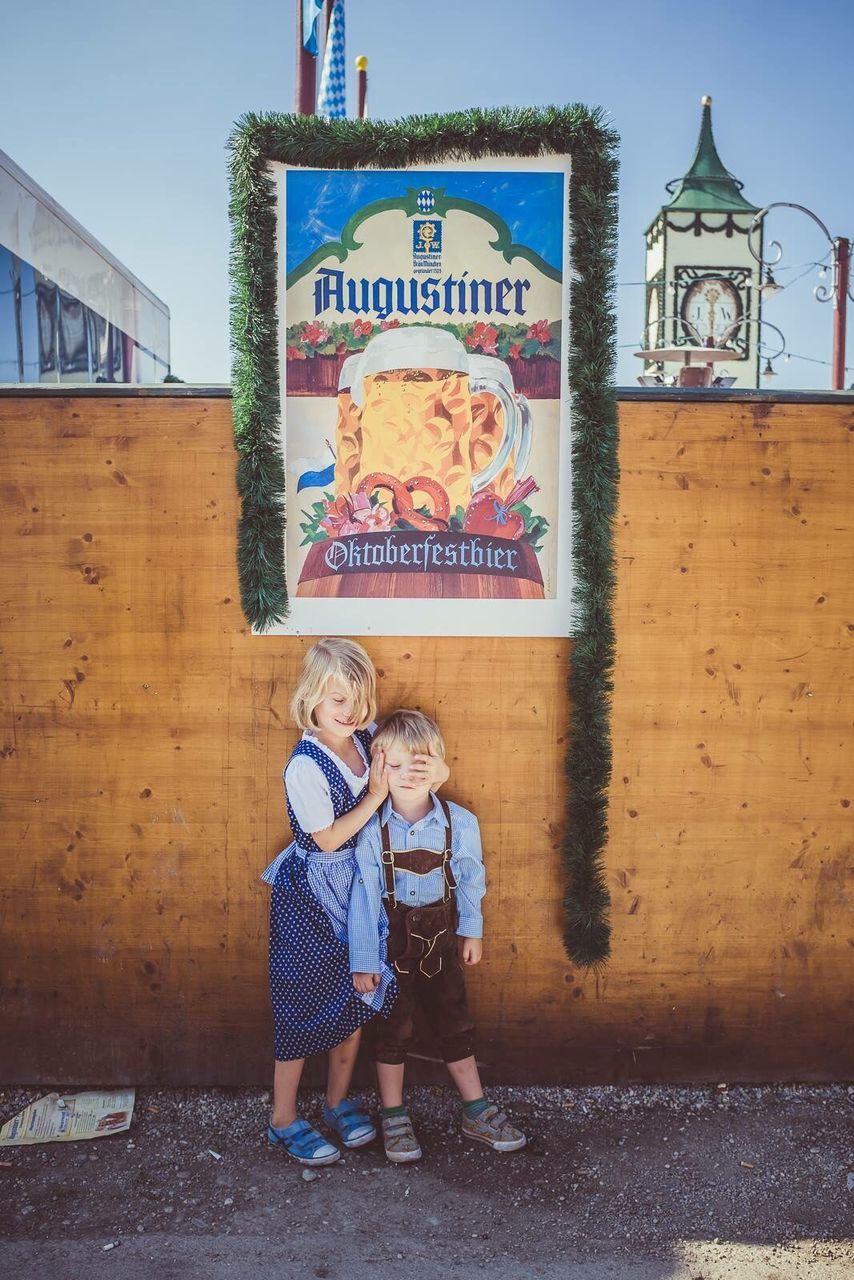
422,326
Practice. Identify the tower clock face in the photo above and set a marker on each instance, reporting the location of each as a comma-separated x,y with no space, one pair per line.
711,308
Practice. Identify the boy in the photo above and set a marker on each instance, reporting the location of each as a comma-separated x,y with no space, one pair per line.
421,856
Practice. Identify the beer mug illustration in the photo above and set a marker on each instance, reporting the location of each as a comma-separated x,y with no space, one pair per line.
502,425
348,430
413,399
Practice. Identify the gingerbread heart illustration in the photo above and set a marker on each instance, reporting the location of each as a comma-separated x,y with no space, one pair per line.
489,515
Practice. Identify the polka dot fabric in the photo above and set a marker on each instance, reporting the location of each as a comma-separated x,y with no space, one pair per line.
315,1005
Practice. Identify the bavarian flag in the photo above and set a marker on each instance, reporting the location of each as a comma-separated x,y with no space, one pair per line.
332,99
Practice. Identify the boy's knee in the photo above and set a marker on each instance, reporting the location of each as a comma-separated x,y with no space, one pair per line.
458,1046
391,1054
393,1043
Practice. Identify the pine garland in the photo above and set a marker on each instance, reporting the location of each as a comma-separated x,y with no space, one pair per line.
575,130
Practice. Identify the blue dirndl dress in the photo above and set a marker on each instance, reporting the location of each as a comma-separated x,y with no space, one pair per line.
315,1005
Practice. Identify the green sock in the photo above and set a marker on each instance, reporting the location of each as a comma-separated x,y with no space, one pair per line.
388,1112
473,1109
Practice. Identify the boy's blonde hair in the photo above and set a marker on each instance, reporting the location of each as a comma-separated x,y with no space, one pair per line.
410,729
334,661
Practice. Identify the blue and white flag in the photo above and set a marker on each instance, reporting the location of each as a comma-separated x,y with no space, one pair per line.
316,479
313,473
310,13
332,100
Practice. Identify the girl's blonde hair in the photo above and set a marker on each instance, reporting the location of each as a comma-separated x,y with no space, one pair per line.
411,729
334,661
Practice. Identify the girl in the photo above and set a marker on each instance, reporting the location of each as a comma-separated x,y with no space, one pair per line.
333,788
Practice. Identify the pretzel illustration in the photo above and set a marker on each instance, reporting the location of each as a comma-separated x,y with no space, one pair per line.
438,496
401,499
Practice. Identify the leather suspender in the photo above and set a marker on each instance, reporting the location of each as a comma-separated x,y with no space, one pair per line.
388,864
447,871
388,855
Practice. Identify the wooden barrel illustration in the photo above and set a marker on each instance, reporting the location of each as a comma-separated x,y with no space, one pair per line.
413,565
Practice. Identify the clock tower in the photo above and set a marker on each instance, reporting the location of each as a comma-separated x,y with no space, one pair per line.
702,282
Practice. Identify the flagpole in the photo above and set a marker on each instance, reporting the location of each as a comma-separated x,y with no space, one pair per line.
306,72
362,84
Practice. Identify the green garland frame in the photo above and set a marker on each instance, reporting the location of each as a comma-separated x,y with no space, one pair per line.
582,133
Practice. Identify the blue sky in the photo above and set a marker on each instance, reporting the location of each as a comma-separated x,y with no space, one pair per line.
122,112
320,204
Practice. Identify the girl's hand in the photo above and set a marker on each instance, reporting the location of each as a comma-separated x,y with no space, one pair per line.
366,982
430,769
471,950
378,778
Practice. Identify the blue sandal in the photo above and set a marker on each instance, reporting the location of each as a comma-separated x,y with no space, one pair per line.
350,1122
303,1143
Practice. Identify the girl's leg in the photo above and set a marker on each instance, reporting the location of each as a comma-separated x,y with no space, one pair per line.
466,1077
286,1078
342,1060
390,1080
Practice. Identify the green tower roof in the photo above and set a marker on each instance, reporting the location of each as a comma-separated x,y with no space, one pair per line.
708,185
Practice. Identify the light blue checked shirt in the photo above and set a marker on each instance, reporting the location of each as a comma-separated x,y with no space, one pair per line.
363,918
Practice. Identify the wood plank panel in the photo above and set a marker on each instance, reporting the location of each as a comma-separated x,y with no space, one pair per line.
144,732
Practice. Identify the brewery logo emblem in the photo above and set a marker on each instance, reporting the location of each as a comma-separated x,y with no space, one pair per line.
426,236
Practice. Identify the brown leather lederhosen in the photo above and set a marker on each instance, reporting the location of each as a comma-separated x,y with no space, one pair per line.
422,947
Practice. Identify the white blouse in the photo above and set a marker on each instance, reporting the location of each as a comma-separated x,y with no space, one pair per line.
307,788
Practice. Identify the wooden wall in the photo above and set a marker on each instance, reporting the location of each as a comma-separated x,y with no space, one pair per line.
144,732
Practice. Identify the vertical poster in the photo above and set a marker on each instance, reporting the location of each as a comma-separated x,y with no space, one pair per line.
423,379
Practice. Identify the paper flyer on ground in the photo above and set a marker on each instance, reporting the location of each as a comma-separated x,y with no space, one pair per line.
70,1117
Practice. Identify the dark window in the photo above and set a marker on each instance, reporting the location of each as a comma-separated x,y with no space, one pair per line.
116,355
73,337
97,326
46,304
10,370
28,322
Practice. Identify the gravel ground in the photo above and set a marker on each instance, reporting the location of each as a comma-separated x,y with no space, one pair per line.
645,1183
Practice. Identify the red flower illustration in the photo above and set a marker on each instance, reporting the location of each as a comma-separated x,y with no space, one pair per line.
540,332
337,513
483,337
315,334
389,324
353,513
375,520
294,353
362,328
515,350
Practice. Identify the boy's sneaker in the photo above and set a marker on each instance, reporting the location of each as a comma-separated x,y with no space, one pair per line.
493,1128
399,1140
